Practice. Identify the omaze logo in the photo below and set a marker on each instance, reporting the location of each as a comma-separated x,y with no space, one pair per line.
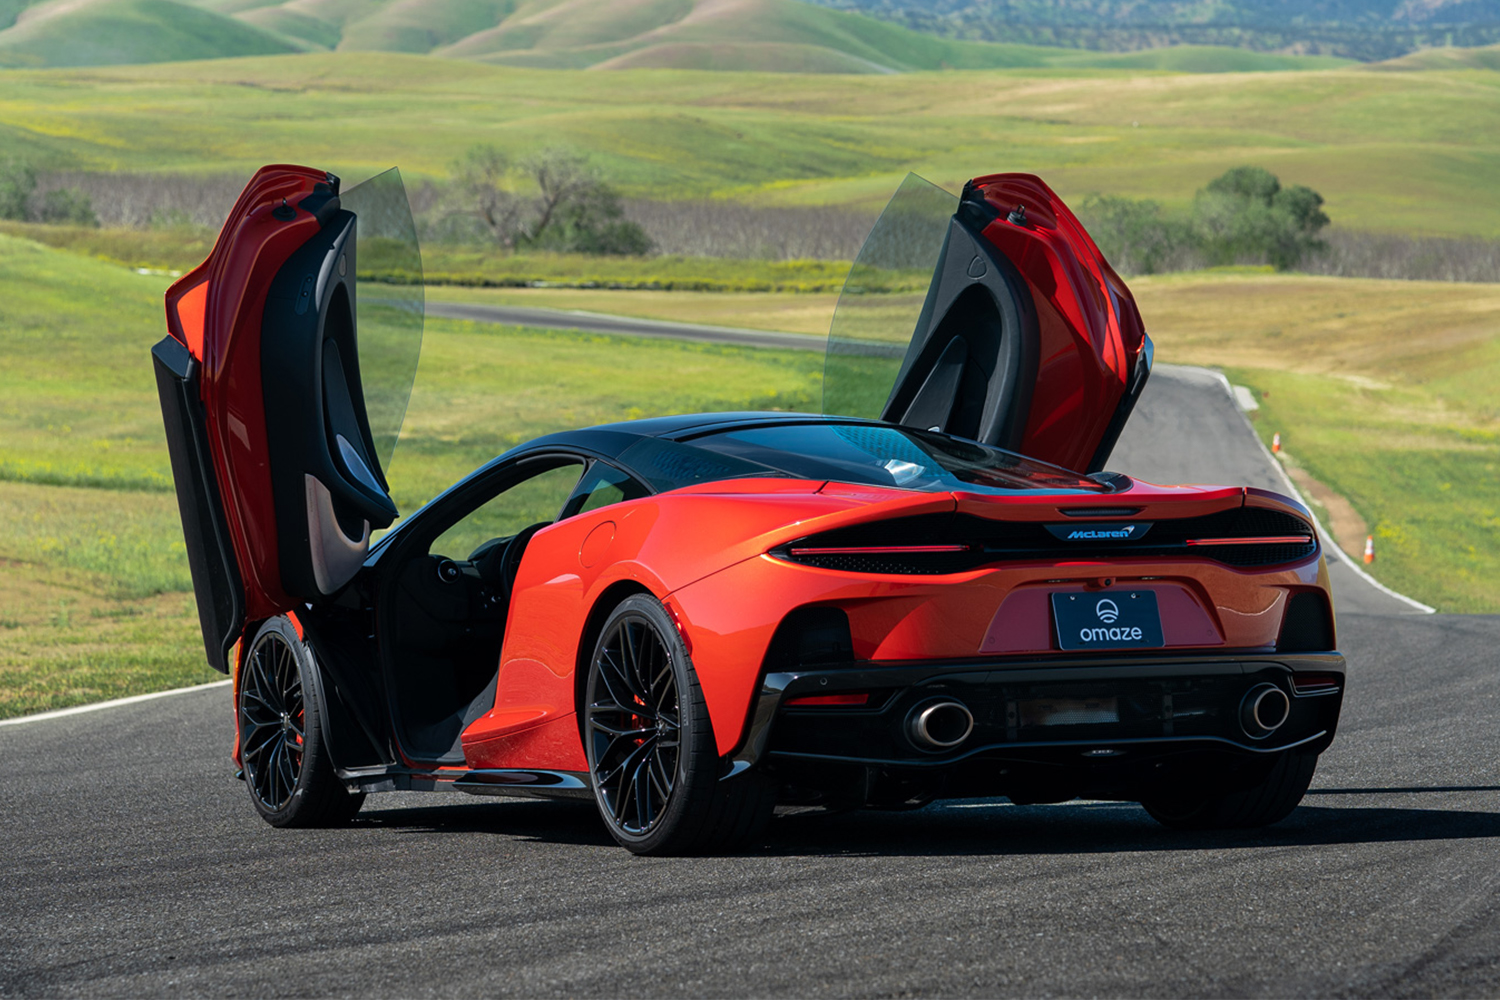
1108,612
1127,634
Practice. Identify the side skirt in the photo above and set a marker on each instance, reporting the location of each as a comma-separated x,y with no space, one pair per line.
513,782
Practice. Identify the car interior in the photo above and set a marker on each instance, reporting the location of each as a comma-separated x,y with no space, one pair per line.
446,602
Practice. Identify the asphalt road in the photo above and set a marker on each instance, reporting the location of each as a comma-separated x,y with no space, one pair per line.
592,322
134,865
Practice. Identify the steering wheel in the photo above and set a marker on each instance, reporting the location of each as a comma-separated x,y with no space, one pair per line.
510,560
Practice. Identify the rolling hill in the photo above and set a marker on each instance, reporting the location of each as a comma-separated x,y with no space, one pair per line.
110,32
746,35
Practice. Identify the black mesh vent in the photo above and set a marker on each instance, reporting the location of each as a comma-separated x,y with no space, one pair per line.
986,542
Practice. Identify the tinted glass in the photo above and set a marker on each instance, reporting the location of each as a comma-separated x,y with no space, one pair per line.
882,299
602,487
389,316
668,465
530,501
888,456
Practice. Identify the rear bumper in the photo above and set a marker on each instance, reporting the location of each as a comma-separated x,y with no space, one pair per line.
1103,725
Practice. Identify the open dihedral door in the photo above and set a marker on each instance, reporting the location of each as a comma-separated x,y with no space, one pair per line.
991,316
283,392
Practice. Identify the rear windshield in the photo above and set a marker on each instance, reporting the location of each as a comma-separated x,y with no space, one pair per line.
890,456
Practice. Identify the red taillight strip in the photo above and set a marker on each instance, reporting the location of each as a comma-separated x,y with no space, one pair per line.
1264,540
812,700
876,550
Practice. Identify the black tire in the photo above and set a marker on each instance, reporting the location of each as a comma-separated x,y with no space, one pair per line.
1270,801
653,762
283,749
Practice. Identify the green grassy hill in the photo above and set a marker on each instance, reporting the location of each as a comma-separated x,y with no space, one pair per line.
1398,152
762,35
1485,57
110,32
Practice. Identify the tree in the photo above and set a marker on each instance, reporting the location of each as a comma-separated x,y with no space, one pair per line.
573,209
480,189
17,182
563,178
1134,235
68,206
1246,215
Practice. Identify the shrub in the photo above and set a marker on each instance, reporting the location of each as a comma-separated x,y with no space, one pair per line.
1136,237
17,182
68,207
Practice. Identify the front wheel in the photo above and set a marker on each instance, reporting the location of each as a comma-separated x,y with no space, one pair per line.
283,743
1270,801
653,761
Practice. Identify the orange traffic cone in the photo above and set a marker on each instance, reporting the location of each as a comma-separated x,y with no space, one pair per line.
1275,442
1369,548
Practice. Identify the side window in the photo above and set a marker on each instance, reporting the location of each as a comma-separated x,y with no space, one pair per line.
539,498
602,486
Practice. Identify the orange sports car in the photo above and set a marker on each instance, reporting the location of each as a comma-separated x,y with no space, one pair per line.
932,589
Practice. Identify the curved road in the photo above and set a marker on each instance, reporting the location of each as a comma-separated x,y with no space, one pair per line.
134,865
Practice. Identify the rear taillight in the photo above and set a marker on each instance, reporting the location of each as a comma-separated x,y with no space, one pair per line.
1253,540
873,550
955,543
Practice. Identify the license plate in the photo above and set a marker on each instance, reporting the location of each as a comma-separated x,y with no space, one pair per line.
1117,619
1069,711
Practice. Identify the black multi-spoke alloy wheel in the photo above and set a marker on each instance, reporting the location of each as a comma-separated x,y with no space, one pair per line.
282,746
1270,801
652,758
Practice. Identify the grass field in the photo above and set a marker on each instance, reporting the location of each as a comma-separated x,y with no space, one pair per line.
174,251
1397,151
93,576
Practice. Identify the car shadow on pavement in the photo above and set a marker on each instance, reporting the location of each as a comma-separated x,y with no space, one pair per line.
1105,828
561,822
985,827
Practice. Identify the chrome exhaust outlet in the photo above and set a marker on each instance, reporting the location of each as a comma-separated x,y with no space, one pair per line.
1263,710
940,725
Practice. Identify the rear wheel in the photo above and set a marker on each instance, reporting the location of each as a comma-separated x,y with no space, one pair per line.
653,762
282,744
1267,802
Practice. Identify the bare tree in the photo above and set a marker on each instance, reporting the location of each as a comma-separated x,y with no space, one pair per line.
562,177
481,191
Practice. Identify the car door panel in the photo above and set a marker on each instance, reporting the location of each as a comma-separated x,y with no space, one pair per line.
1025,338
277,472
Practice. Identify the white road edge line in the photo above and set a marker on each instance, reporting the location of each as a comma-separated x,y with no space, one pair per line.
97,706
1293,491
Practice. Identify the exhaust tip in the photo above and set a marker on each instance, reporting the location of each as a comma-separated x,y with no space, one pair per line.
940,725
1263,710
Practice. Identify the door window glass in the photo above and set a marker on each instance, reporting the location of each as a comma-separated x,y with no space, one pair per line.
602,486
538,498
